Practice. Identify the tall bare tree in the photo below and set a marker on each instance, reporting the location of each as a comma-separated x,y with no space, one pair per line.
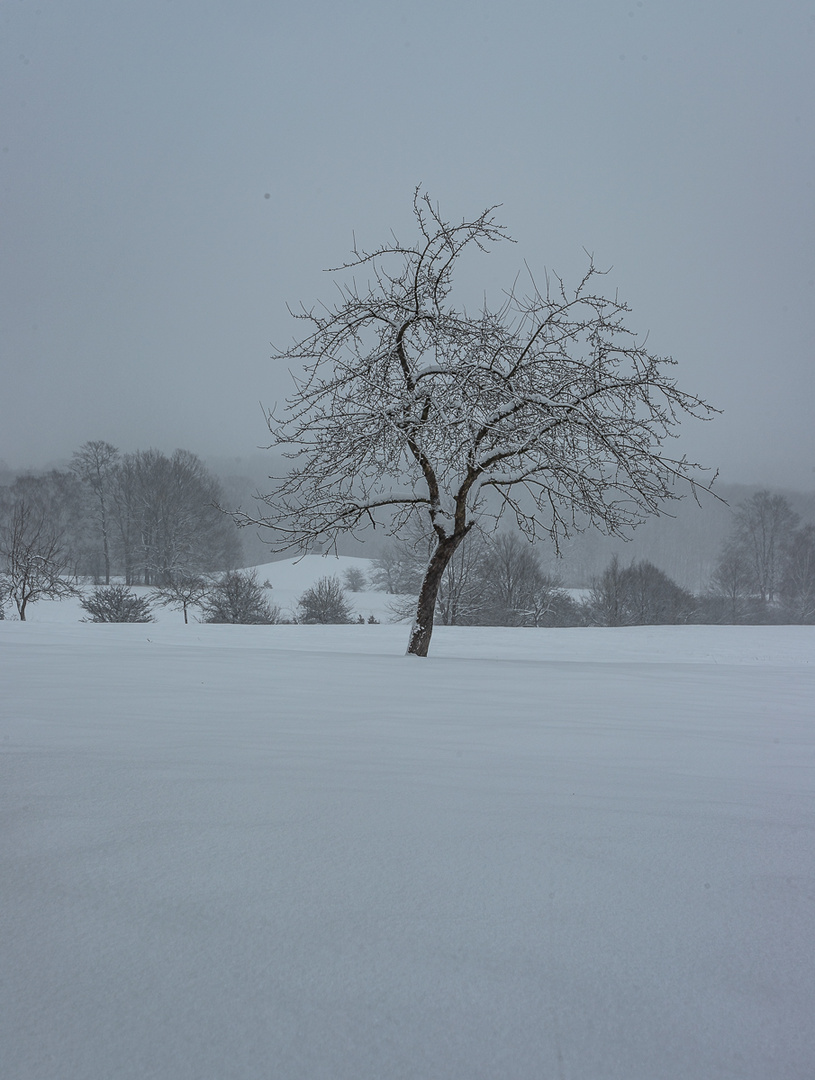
763,525
95,464
58,499
511,581
166,517
411,406
798,576
607,596
731,581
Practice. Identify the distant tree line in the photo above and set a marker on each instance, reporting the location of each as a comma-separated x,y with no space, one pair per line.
493,581
146,517
766,569
765,574
154,518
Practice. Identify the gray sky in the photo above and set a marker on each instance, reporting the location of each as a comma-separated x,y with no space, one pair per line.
144,272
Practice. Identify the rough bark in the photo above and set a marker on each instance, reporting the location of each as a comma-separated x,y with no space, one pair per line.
422,629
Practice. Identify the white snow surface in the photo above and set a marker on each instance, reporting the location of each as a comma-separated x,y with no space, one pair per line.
292,852
290,578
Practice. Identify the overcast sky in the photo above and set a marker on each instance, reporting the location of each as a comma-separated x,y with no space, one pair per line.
145,271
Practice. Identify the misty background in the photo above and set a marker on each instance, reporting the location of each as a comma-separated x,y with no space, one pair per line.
175,173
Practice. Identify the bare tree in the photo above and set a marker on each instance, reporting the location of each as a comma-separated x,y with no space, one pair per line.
396,569
459,598
239,597
125,506
58,499
637,595
607,596
516,591
798,577
511,578
168,525
182,592
354,579
731,580
324,602
95,464
413,407
35,565
551,605
653,598
764,524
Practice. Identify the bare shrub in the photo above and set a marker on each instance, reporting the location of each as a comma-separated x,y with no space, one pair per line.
117,604
238,597
325,602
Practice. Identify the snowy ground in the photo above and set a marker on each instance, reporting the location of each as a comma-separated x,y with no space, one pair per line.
291,577
288,578
291,852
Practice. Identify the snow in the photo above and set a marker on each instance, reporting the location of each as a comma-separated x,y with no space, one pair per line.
289,579
293,852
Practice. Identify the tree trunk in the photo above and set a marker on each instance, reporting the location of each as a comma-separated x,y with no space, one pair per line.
105,545
422,629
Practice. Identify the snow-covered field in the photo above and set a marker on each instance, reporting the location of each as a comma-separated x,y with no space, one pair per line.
288,579
292,852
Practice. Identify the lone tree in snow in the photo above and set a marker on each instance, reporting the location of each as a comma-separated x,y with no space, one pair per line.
182,592
412,407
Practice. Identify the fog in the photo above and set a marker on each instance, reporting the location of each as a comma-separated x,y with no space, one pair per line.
176,173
